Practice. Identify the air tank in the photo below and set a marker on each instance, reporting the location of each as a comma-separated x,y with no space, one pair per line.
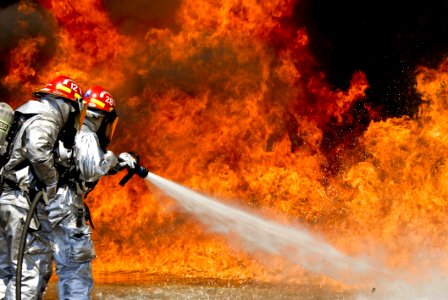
6,120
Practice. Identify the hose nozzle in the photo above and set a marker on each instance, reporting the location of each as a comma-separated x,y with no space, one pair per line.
141,171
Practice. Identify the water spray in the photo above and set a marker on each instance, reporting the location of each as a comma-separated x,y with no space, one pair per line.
297,244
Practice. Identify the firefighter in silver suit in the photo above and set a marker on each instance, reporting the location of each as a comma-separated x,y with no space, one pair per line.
30,168
80,170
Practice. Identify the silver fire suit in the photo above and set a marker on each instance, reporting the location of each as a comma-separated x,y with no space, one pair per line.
29,169
73,247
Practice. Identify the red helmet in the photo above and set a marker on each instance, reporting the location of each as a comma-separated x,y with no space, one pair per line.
61,86
65,88
100,99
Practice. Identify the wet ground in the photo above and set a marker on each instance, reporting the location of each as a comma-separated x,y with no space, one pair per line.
129,287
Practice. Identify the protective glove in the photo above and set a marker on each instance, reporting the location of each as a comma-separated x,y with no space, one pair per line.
110,157
127,160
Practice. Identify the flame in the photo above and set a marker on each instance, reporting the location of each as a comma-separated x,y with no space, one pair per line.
400,188
225,98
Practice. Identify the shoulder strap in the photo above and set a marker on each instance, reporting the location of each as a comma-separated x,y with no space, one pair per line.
16,126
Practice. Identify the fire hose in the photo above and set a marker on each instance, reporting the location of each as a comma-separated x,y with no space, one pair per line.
137,170
22,244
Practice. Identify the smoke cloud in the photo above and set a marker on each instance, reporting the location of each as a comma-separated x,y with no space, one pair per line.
24,27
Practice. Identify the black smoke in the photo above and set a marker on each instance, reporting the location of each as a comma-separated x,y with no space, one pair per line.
385,39
17,24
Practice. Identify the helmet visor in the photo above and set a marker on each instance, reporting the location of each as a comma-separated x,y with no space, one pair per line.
79,119
110,129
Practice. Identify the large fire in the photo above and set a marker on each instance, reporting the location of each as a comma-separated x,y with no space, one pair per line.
224,97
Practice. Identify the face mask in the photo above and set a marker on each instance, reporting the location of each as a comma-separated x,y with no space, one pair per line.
107,129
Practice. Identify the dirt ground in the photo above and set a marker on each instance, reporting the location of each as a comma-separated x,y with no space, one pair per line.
127,287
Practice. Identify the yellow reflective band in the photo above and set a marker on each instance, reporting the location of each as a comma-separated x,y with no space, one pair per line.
64,88
77,95
97,102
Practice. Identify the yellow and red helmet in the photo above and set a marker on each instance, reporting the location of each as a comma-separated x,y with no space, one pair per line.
64,87
61,86
99,98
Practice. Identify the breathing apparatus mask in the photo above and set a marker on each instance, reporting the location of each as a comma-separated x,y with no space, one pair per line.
103,123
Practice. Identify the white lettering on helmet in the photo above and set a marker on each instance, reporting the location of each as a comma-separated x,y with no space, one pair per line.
110,100
74,86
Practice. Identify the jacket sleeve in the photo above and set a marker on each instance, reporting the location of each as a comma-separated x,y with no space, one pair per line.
40,138
90,160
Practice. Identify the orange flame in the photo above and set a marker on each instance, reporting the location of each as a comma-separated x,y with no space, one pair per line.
225,98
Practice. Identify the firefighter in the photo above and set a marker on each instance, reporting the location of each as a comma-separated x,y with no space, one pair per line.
80,170
56,116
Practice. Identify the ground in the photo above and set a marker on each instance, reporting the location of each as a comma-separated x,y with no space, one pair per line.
127,287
